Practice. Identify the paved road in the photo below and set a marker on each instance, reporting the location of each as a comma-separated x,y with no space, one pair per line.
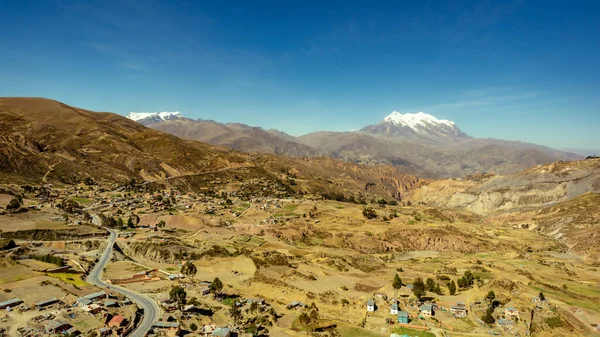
151,308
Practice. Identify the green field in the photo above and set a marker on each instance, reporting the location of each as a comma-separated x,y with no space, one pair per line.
71,278
357,332
412,333
83,201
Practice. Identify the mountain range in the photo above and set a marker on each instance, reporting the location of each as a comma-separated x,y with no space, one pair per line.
46,141
417,143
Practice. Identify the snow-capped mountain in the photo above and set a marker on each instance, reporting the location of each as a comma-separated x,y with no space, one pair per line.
148,118
416,125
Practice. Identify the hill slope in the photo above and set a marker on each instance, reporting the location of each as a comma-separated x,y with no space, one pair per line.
416,143
43,140
538,187
236,136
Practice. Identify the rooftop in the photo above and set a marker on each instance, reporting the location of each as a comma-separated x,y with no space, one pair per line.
95,295
11,302
220,332
162,324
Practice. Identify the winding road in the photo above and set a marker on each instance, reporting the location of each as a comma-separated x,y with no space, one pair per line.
151,309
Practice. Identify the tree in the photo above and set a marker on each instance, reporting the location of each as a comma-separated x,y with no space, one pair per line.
189,269
430,284
161,224
120,222
130,223
314,315
418,288
487,316
490,296
303,318
452,287
397,284
193,327
541,296
216,286
178,294
235,312
369,213
88,181
14,204
253,307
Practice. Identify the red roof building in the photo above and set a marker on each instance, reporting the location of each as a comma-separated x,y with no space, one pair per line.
116,321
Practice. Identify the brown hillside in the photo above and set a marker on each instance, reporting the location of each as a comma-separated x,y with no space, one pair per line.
45,140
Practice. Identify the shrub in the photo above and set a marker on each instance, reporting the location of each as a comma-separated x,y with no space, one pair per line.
369,213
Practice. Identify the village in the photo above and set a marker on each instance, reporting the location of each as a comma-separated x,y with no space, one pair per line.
225,262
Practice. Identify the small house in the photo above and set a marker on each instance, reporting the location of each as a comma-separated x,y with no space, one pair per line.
170,326
371,307
458,311
104,331
505,322
259,301
511,312
116,322
403,317
221,332
394,309
426,310
110,303
295,304
83,302
57,327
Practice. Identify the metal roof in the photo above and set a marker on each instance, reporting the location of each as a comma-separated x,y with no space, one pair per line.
220,332
46,302
95,295
14,301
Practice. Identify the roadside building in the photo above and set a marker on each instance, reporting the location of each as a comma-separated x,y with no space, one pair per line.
403,317
10,303
426,310
371,307
57,327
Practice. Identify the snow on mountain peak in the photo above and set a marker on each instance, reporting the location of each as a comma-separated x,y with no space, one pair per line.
163,115
415,120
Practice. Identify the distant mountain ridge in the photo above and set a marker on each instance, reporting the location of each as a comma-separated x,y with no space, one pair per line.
148,118
418,143
415,126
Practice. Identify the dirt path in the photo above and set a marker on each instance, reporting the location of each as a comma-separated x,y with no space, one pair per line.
246,210
199,173
196,233
50,169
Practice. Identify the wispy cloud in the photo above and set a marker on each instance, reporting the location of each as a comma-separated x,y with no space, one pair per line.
492,98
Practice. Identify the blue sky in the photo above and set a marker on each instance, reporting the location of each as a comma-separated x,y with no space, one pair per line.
519,70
